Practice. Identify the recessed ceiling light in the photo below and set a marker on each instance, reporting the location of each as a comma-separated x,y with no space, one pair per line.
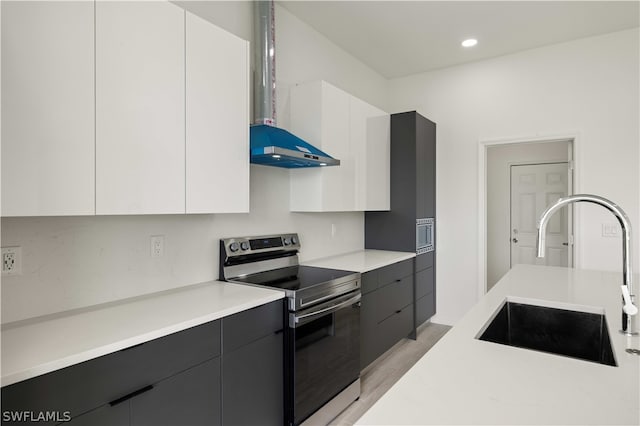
470,42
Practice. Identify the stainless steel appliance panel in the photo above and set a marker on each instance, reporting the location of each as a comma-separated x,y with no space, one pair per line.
327,356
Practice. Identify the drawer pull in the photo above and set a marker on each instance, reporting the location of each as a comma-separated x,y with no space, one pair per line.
398,311
398,280
131,395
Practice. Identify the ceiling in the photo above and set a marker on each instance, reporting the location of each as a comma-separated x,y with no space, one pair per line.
400,38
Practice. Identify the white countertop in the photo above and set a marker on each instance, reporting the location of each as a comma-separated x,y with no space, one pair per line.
361,261
462,380
34,347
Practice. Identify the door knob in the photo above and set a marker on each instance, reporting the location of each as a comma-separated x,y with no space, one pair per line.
515,240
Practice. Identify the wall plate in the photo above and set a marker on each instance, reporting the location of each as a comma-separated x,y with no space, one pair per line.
11,261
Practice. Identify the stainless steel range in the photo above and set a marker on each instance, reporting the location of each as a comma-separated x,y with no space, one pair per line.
322,342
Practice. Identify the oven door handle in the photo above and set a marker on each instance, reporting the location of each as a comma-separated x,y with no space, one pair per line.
298,320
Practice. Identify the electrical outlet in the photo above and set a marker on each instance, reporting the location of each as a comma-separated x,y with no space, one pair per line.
157,246
11,261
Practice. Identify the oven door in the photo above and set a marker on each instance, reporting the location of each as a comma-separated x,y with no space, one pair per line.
326,345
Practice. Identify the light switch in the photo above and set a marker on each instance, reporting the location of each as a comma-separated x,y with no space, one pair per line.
610,230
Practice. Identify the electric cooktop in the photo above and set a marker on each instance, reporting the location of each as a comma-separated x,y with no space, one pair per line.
294,277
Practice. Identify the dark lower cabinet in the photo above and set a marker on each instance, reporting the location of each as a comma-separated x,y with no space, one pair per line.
84,387
187,378
387,309
253,366
425,308
188,399
370,347
104,416
425,295
252,383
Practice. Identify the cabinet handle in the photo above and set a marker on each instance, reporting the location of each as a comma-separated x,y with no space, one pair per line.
398,280
397,312
131,395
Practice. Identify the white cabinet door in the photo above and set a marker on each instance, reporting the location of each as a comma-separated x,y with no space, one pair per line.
350,130
140,108
217,119
376,159
339,183
320,116
370,139
47,109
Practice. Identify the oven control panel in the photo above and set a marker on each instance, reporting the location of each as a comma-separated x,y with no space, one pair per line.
253,245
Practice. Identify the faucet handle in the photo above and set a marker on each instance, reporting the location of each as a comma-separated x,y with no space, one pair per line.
629,308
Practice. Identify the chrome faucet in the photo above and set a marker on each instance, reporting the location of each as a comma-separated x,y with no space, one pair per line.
629,320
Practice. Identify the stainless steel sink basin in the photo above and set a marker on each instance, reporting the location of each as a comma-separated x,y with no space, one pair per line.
575,334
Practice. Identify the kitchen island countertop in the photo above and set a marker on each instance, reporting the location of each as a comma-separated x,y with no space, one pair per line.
40,345
463,380
361,261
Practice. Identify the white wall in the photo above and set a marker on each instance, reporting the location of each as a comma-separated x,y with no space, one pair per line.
499,161
589,87
71,262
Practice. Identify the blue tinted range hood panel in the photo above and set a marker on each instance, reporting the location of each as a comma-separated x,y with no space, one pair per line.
272,146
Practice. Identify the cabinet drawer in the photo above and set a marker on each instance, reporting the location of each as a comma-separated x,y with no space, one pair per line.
394,272
424,282
424,261
254,376
425,308
395,327
394,297
247,326
106,415
189,398
82,387
369,281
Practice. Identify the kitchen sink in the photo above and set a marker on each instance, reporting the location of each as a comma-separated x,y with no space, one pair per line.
570,333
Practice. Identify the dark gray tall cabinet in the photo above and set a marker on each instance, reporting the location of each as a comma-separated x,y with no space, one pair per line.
413,196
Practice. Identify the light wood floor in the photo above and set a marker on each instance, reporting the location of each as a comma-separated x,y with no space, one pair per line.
378,377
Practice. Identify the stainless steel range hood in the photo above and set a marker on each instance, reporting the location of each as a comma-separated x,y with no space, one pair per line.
270,145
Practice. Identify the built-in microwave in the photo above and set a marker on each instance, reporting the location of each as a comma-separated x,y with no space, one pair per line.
425,232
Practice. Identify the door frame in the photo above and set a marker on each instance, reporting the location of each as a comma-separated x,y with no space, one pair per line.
570,260
574,139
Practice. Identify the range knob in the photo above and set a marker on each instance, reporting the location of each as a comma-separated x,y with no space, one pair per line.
294,240
234,247
287,241
244,245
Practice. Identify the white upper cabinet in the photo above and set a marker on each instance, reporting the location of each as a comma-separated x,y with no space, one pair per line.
217,119
370,137
47,108
140,108
137,107
320,116
350,130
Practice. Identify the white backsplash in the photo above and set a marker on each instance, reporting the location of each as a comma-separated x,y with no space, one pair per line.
73,262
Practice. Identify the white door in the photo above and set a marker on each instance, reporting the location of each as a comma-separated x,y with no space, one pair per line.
140,108
47,109
533,188
217,119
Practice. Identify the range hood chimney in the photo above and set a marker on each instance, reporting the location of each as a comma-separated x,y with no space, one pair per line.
270,145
